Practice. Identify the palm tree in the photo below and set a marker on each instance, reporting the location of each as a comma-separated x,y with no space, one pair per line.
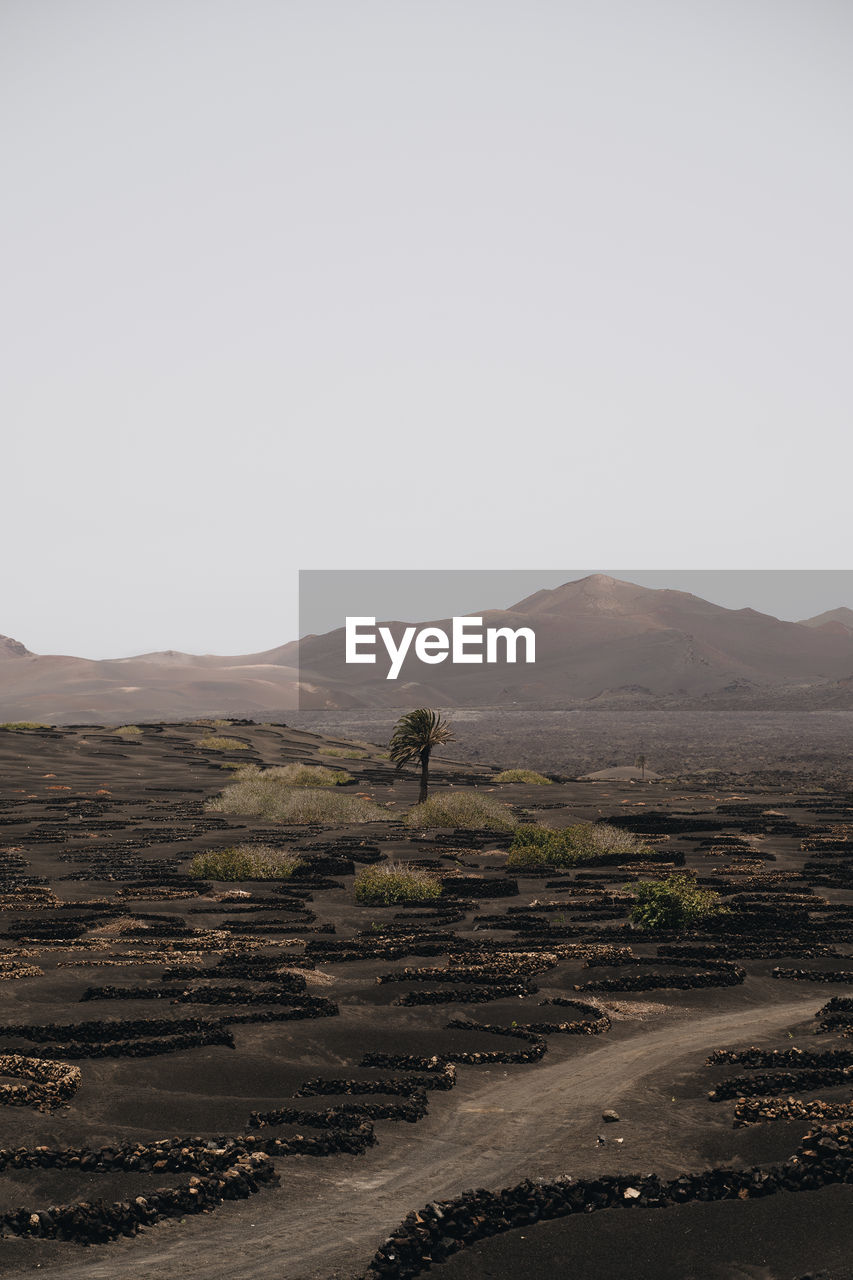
414,737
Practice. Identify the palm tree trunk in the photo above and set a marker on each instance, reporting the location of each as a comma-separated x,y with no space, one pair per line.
422,794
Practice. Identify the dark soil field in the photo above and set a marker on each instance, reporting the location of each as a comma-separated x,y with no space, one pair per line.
280,1082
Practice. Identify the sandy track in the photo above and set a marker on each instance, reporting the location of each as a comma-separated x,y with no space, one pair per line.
323,1225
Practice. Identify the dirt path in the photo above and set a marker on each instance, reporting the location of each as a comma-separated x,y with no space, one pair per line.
530,1121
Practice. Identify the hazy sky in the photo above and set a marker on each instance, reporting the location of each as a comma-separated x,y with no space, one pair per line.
413,284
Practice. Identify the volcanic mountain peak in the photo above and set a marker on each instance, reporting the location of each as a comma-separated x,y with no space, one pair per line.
600,594
10,648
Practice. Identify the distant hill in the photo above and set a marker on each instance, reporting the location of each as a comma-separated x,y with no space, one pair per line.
833,620
151,686
599,640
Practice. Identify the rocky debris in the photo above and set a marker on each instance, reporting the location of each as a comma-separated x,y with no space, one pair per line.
139,1048
374,948
479,886
48,1084
440,1229
726,975
760,1111
411,1062
346,1115
443,1077
769,949
93,1222
814,975
254,967
468,995
775,1082
12,969
593,1022
755,1057
287,984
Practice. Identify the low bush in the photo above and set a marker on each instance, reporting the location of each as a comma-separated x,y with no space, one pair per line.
213,743
128,730
16,726
245,862
537,846
467,809
348,753
271,793
297,775
673,903
395,882
523,775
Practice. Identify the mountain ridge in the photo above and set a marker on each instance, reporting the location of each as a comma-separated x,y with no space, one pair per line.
598,637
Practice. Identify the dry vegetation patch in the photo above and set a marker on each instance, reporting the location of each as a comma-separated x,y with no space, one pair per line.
524,775
245,862
212,742
535,845
468,810
281,794
395,882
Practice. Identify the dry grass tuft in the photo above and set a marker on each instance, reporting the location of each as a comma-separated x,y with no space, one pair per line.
466,809
523,775
538,846
211,742
392,882
275,794
245,862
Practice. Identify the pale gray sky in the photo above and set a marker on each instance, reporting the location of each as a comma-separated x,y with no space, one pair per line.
413,284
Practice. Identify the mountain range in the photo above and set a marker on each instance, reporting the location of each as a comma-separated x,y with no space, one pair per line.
598,639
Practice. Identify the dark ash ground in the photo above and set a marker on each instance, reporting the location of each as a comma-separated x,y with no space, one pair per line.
110,825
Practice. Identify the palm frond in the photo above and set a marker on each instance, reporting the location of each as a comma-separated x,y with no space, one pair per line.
419,731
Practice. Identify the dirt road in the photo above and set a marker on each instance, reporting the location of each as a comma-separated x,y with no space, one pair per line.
526,1121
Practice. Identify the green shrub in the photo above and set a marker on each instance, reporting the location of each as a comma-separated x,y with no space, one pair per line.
675,902
212,743
128,730
523,775
537,846
271,793
16,726
395,882
348,753
468,809
245,862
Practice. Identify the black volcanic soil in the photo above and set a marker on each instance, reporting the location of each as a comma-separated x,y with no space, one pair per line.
108,824
731,740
